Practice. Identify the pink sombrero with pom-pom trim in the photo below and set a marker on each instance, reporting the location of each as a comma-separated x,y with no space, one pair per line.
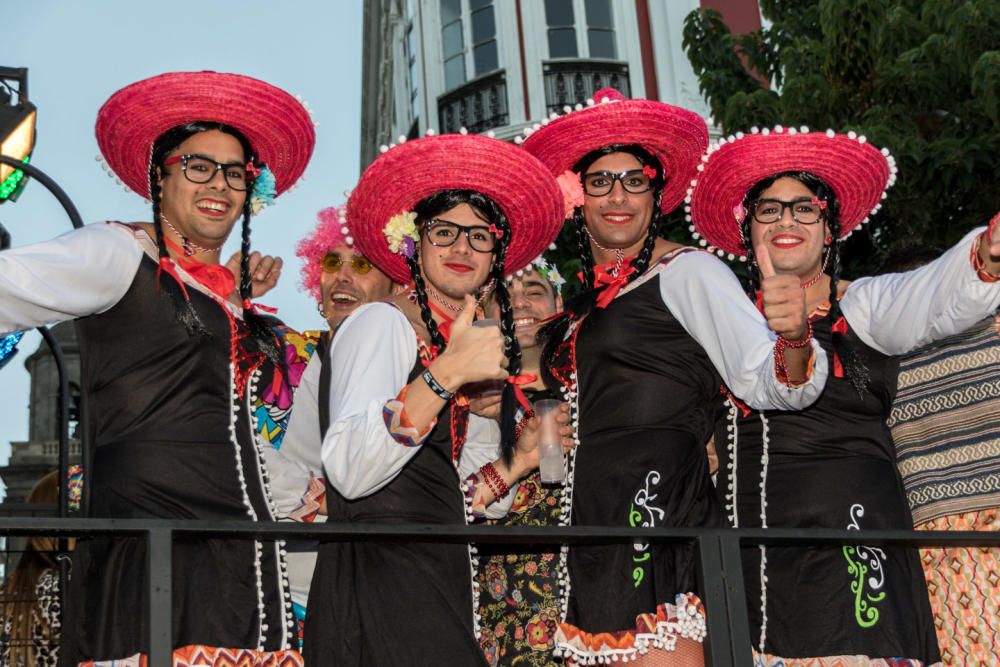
408,172
677,137
858,172
277,125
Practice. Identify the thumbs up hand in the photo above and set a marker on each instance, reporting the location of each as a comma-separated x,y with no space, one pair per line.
783,299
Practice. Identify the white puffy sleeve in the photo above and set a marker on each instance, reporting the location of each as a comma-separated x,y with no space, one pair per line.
369,441
82,272
898,312
705,296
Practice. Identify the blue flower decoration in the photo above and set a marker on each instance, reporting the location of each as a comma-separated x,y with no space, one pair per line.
264,191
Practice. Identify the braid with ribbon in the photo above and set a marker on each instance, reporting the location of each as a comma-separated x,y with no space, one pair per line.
586,254
512,395
260,327
426,316
172,287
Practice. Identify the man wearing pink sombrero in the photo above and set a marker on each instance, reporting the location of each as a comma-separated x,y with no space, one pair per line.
783,199
173,348
340,279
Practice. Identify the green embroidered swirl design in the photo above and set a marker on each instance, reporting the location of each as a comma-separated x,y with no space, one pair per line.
865,614
638,572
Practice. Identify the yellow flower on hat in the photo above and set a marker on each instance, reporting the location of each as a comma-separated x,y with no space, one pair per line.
401,233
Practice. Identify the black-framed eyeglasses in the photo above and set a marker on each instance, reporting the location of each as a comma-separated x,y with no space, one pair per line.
600,183
805,211
442,234
332,262
201,169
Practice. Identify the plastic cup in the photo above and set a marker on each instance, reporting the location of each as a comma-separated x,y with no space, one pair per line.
551,461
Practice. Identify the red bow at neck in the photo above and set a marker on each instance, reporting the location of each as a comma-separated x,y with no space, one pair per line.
610,284
215,277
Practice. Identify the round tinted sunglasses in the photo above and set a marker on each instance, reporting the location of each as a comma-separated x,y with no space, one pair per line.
332,262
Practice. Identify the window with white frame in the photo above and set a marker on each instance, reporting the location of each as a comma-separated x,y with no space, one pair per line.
468,27
580,29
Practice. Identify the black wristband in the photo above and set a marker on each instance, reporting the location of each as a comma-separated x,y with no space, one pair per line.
435,386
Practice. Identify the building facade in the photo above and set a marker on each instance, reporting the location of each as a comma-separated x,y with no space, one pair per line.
501,65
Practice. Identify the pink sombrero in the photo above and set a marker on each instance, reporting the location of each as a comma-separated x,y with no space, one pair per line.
676,136
857,171
277,125
406,173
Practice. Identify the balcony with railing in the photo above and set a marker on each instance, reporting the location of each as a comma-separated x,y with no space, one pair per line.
571,82
479,105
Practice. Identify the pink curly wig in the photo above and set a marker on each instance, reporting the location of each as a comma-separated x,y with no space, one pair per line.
327,235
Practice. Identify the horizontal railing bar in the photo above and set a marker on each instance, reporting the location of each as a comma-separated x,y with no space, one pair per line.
488,534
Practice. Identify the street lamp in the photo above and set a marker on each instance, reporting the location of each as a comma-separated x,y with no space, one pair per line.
17,128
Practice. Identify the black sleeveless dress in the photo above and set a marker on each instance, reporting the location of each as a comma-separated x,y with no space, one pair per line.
161,405
396,603
647,400
831,465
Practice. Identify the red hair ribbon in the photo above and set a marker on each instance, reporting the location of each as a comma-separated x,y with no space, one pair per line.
610,284
252,169
517,381
256,308
821,202
496,231
840,326
649,171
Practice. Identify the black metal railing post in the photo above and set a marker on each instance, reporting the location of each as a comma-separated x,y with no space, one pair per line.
159,555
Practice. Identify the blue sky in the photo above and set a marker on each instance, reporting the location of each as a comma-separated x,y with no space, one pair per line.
79,53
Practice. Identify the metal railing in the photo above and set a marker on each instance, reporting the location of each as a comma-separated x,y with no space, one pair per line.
719,566
571,82
479,105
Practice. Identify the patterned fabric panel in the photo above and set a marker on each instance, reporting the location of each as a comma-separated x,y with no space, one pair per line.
519,606
765,660
312,500
274,405
946,424
400,428
211,656
964,587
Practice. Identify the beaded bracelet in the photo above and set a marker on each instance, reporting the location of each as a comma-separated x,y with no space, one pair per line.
977,261
493,480
436,386
782,344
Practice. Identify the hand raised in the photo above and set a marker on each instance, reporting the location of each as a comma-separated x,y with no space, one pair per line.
526,449
474,353
783,299
265,271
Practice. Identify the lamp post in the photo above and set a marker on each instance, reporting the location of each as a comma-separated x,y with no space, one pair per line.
17,141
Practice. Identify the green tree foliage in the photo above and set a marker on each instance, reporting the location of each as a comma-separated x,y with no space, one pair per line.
921,78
